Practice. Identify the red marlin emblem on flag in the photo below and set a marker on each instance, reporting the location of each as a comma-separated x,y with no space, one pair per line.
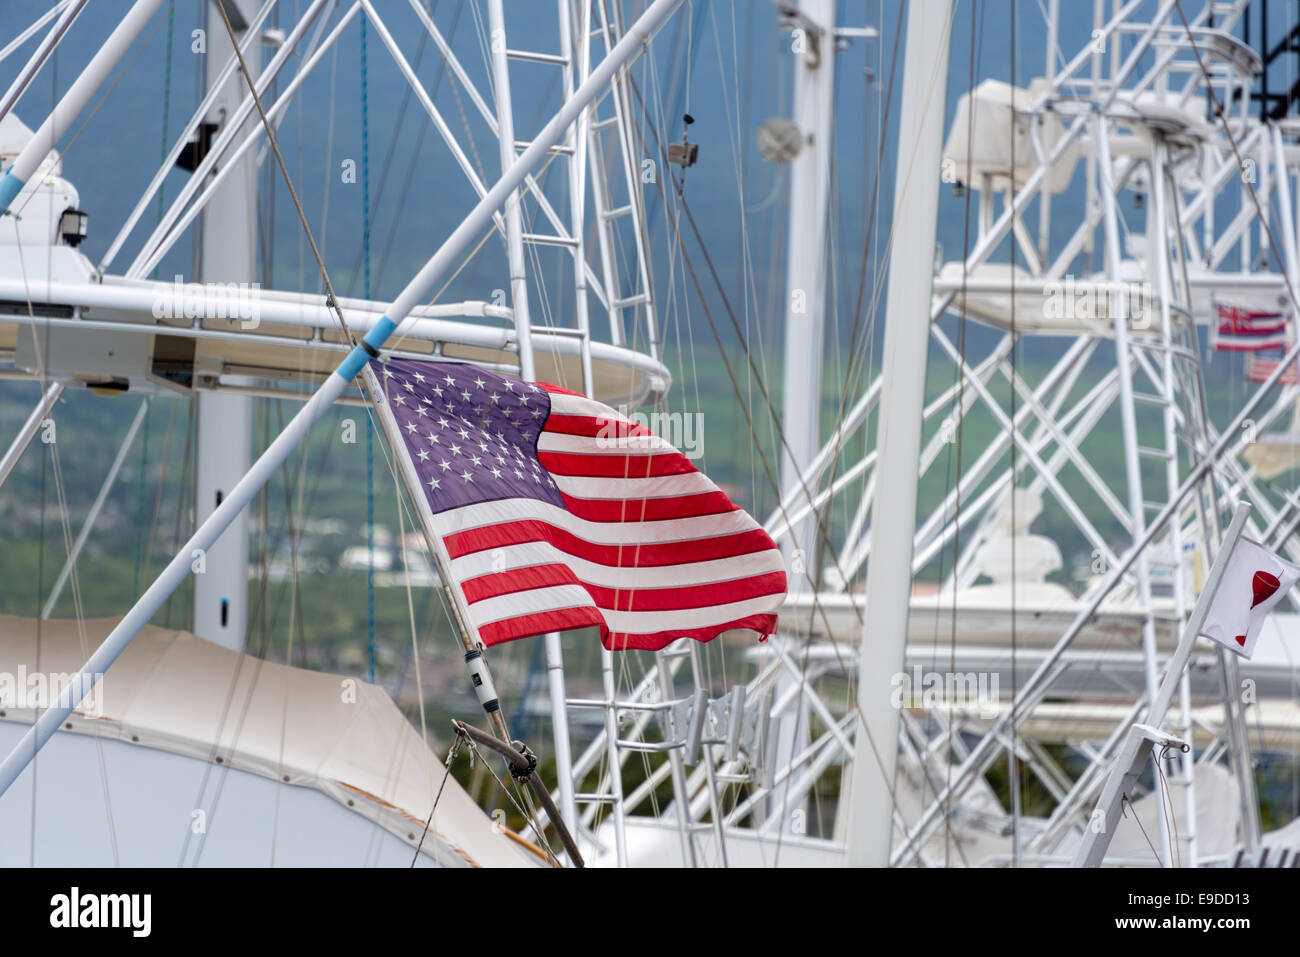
1263,587
1254,580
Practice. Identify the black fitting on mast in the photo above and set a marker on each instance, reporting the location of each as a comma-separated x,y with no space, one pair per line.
481,679
522,763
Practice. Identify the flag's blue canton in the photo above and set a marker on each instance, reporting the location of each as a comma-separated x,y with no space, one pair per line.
471,433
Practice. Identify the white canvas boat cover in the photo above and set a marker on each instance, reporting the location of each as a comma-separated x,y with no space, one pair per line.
174,691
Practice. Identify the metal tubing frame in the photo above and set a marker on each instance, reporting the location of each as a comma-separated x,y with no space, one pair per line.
25,434
416,291
75,99
34,63
93,515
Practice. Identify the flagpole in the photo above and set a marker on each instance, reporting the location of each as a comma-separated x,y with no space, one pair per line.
441,559
277,453
437,549
484,687
1193,628
1101,827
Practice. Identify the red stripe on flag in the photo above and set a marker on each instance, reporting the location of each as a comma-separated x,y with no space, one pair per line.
1250,328
765,625
649,509
494,584
651,555
1261,346
1258,370
691,596
616,465
592,426
1233,314
539,623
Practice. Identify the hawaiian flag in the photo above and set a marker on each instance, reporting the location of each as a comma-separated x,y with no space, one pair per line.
557,513
1244,330
1253,582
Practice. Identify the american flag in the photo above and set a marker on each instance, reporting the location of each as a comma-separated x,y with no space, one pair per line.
1258,370
557,513
1244,330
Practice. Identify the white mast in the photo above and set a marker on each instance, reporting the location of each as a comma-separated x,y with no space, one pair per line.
229,238
805,307
813,44
898,437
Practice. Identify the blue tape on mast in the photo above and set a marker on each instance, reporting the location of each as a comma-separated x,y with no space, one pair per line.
10,187
358,357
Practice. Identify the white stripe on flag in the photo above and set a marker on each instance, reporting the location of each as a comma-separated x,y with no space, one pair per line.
579,405
663,531
651,622
520,603
558,597
611,444
656,486
529,554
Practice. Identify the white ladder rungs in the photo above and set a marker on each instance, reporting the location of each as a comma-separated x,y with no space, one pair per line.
542,239
1154,453
531,56
559,148
636,300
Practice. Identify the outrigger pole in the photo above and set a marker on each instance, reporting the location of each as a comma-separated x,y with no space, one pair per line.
38,58
416,291
75,100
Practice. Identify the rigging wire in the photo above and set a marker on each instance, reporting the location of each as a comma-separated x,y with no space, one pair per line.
817,607
961,424
451,756
690,217
370,427
529,815
166,107
47,170
1012,752
41,374
1218,112
680,196
186,481
143,482
331,300
40,589
399,124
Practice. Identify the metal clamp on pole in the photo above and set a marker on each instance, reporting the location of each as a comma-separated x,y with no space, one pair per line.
1142,740
481,678
523,764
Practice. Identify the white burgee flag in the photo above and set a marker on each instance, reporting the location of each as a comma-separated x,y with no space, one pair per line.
1253,582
